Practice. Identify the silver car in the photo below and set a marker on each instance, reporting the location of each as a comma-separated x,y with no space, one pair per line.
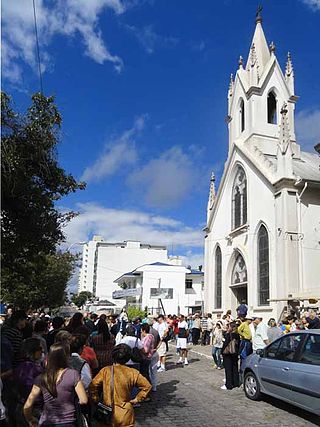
288,369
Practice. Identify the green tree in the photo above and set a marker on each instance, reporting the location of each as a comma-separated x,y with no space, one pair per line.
136,312
80,299
32,183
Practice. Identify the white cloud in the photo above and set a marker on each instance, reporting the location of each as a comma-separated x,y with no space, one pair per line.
192,258
313,4
169,179
64,17
118,225
118,152
149,39
308,127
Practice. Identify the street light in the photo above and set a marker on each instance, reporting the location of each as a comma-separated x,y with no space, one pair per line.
74,244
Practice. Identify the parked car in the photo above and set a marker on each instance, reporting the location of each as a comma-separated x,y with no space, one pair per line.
288,369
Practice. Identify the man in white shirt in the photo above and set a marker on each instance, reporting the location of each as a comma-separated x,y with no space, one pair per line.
182,340
260,334
162,328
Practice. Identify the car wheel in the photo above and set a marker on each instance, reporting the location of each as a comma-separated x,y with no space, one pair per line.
251,386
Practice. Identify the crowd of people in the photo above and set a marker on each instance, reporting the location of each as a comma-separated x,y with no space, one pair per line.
56,372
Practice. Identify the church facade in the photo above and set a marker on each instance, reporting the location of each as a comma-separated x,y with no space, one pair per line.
262,241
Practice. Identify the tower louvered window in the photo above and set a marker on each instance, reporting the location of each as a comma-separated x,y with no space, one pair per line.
218,278
263,266
239,199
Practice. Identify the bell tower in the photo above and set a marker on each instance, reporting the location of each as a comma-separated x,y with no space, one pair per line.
256,95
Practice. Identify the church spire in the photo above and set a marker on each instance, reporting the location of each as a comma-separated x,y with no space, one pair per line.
290,74
260,45
212,195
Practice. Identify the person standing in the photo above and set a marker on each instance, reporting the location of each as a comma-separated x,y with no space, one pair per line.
210,329
242,310
125,379
260,336
230,350
58,386
182,340
103,344
162,328
273,332
57,325
196,328
204,329
217,345
12,330
245,334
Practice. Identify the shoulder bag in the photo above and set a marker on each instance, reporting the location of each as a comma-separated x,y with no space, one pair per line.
103,412
136,354
231,347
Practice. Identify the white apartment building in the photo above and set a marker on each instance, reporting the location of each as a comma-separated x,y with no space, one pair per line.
103,262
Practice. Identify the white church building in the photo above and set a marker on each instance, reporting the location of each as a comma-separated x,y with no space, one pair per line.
262,241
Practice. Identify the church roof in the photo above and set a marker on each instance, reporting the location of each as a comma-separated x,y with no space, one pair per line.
307,167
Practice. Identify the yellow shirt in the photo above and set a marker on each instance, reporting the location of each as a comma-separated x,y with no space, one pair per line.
244,331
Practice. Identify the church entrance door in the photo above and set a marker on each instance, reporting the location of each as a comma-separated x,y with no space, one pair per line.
241,294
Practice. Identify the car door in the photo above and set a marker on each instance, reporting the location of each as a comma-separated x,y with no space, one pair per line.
275,367
305,375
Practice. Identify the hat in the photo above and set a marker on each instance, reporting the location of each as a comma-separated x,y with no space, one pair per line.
256,317
248,317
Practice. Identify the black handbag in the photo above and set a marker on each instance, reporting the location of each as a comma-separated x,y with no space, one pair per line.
103,412
136,355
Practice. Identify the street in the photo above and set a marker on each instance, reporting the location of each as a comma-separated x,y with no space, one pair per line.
191,395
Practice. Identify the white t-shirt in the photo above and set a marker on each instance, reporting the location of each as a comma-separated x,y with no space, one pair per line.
132,342
260,335
183,324
160,327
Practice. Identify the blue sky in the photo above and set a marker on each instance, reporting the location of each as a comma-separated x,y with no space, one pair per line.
142,88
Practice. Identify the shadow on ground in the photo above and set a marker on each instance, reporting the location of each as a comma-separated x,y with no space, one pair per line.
291,409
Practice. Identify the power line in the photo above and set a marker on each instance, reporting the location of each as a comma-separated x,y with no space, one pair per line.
37,45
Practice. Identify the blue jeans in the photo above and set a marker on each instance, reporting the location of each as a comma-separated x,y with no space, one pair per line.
216,354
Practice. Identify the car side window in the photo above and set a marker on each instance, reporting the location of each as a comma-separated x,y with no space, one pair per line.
271,351
288,346
311,351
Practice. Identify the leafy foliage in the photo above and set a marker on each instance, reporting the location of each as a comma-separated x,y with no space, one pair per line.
32,182
133,312
80,299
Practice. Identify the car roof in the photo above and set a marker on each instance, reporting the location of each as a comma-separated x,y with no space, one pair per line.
304,331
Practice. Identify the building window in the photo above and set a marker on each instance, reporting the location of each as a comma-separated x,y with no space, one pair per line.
218,278
239,199
272,108
239,273
188,283
263,266
242,118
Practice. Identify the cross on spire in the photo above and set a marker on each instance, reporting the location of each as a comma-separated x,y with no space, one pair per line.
258,14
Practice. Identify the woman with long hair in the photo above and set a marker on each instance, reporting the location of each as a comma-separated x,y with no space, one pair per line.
59,386
230,351
124,380
76,324
103,344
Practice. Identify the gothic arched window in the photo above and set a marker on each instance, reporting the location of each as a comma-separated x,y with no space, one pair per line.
242,118
239,272
218,278
272,108
239,199
263,266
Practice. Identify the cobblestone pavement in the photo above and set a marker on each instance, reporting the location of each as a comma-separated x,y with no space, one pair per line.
191,396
